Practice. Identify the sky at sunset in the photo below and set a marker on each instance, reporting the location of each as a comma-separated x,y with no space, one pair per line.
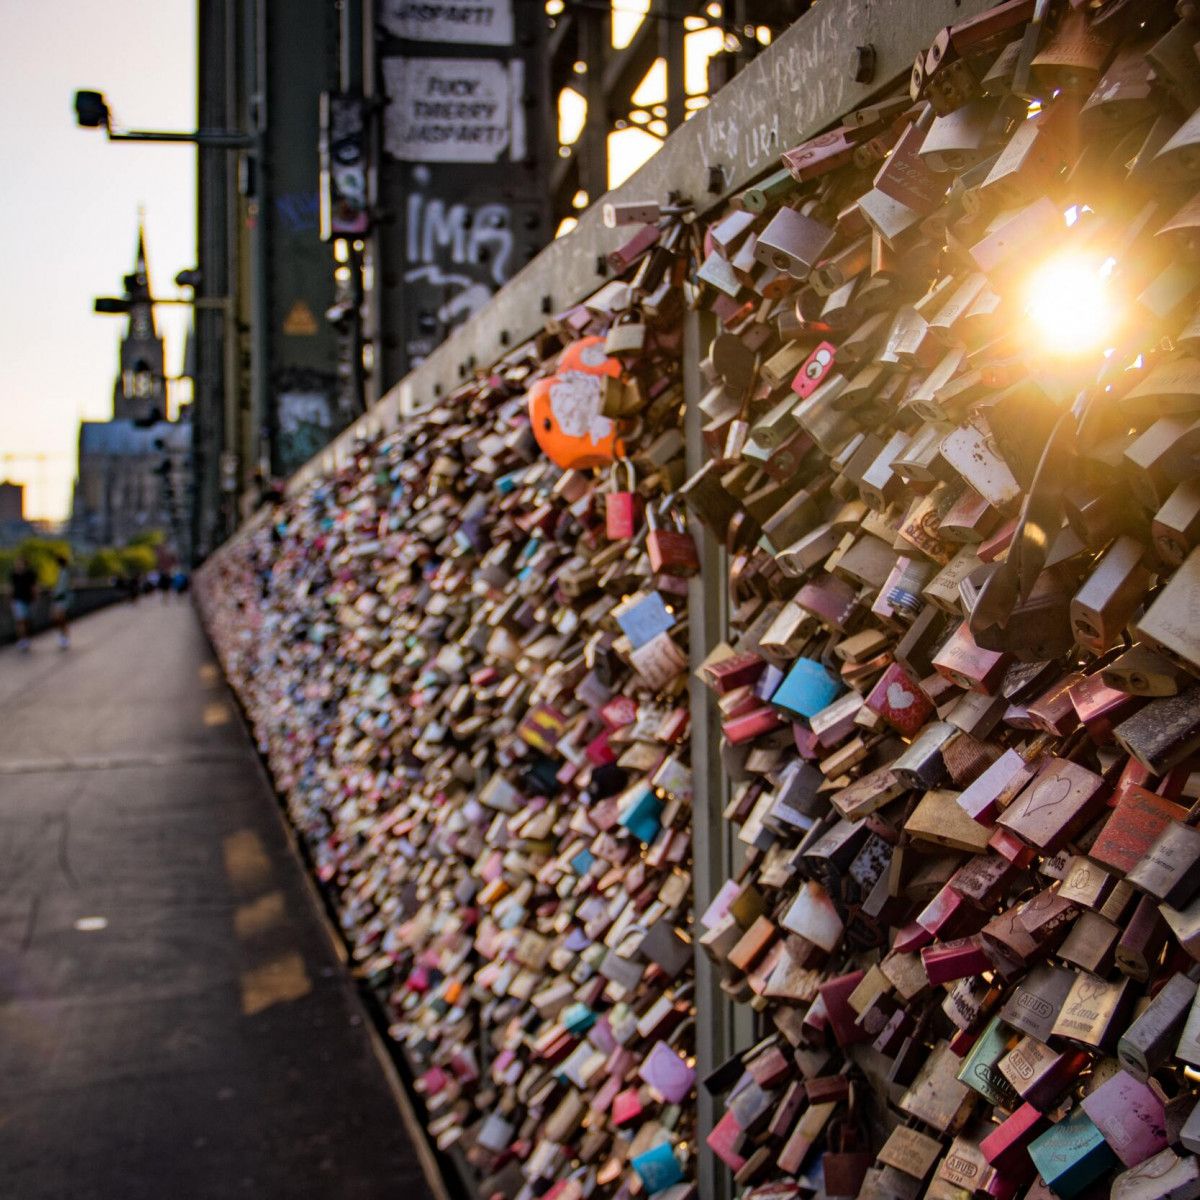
68,215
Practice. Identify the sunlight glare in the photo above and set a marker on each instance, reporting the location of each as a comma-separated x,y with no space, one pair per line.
1068,302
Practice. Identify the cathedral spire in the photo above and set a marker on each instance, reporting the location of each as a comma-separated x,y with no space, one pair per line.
140,388
139,281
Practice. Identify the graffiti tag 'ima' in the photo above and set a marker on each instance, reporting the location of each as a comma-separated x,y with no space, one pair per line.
443,236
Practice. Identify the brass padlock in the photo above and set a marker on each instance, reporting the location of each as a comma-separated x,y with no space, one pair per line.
627,336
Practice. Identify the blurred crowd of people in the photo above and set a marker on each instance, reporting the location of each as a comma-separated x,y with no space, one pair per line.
25,586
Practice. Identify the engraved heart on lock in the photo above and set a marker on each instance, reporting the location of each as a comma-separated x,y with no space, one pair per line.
898,697
1046,794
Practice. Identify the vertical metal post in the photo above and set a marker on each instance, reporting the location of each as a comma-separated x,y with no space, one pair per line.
262,416
372,273
350,79
717,1024
670,50
234,442
595,38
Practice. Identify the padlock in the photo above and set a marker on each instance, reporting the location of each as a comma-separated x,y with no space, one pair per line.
632,212
627,336
846,1159
622,506
958,140
905,178
1073,57
565,408
622,397
818,156
672,551
1103,606
793,242
626,255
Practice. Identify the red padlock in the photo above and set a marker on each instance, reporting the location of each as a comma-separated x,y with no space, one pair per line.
846,1160
622,509
671,551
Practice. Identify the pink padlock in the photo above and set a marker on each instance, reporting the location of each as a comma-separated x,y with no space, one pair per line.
626,1107
622,508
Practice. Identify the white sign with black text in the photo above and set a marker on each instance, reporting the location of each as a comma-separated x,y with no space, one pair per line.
454,109
481,22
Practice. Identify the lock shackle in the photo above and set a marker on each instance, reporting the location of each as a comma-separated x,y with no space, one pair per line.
631,931
630,475
666,507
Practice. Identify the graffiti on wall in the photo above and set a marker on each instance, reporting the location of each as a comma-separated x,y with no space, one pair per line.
457,254
297,211
304,415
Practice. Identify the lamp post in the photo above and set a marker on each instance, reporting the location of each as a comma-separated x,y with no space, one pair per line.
92,112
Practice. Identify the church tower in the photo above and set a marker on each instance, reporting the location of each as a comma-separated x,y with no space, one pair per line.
140,391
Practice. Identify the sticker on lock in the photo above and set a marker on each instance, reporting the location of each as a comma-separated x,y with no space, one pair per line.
814,369
565,409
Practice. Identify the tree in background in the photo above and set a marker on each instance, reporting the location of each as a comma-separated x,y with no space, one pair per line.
137,559
104,564
42,554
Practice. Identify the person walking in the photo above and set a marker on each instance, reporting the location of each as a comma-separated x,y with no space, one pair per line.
24,591
60,601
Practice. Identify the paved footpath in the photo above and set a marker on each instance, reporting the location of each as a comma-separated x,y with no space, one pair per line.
174,1021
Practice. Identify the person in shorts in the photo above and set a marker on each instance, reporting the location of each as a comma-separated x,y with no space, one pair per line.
24,591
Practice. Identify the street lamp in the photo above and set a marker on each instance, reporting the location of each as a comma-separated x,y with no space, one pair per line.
92,112
121,305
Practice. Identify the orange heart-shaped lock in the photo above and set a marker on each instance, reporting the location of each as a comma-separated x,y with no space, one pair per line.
564,408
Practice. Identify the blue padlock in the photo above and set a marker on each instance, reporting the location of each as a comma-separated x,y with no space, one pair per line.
578,1019
1071,1155
643,618
807,689
639,811
658,1168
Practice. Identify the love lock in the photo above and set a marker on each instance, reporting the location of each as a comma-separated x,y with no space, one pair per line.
846,1161
622,507
672,551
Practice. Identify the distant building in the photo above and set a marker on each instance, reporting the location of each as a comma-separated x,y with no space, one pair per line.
12,503
13,526
135,470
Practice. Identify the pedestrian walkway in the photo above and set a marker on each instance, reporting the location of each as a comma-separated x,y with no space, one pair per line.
174,1019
